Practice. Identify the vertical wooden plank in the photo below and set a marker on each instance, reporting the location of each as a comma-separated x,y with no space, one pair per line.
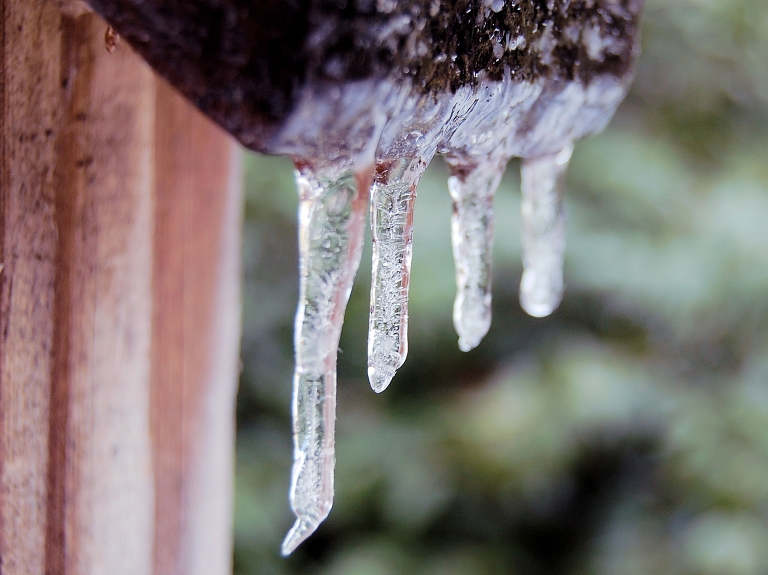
197,307
119,309
101,377
29,90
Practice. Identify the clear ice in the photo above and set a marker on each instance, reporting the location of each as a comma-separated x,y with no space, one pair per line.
392,201
395,130
332,211
472,189
543,187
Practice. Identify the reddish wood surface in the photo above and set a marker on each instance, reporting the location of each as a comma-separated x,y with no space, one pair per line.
119,309
197,327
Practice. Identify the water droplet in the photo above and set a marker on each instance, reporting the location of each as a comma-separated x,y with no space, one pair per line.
543,187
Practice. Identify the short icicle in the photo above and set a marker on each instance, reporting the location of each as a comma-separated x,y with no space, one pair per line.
392,201
543,187
472,188
332,213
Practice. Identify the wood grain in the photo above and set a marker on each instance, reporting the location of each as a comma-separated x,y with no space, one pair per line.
196,291
119,309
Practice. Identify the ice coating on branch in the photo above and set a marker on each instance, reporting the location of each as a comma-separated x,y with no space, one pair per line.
543,187
472,189
332,211
392,201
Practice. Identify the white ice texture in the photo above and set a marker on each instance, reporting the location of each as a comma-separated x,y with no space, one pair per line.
543,185
377,138
472,189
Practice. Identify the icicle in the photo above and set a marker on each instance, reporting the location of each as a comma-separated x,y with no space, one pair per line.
332,214
392,200
472,190
543,186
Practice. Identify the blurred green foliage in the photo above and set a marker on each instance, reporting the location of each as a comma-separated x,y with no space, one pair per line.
626,434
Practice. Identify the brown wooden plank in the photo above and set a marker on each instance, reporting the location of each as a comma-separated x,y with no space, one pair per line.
197,306
101,377
29,89
119,309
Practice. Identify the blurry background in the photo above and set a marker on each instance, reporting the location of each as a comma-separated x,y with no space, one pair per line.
627,433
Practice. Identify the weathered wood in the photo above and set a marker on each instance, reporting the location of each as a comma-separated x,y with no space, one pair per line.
119,309
30,84
100,474
197,319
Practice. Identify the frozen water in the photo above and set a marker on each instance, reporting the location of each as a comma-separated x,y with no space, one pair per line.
543,187
332,212
472,189
478,129
397,127
392,202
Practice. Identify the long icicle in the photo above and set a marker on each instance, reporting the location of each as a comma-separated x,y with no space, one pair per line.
472,189
392,201
332,214
543,187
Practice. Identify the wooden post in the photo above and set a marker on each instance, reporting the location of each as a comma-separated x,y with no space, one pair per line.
119,309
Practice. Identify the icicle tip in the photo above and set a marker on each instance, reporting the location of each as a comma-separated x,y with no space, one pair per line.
380,378
472,325
467,343
539,296
300,531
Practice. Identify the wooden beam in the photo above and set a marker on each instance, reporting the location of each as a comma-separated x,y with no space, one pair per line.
119,309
